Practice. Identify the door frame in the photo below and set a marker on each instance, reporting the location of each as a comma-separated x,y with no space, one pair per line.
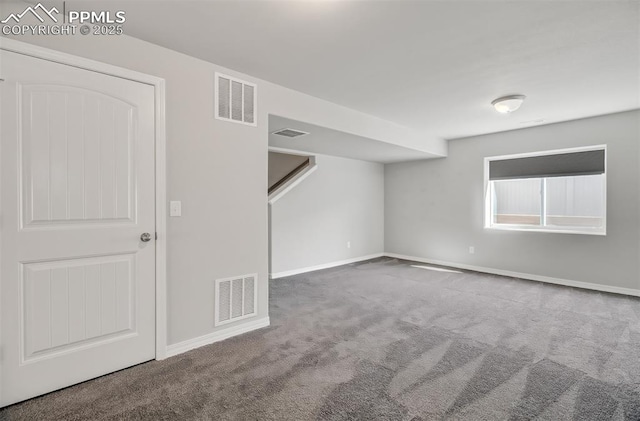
27,49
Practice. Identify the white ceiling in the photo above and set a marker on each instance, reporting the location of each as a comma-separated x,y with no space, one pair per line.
433,66
326,141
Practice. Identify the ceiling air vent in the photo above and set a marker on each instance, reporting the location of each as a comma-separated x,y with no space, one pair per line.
235,298
236,100
290,133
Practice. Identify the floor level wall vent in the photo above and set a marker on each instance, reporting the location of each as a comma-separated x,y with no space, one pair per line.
235,298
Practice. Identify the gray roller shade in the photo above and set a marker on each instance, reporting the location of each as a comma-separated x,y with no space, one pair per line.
557,165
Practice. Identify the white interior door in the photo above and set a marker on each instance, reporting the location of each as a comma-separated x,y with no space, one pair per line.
77,284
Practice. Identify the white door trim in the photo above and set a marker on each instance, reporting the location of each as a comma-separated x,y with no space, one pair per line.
160,163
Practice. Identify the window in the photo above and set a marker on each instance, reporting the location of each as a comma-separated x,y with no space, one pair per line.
557,191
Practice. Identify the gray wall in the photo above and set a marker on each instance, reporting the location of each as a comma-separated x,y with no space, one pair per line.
342,200
434,209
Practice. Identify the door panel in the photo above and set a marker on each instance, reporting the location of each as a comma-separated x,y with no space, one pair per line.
77,156
77,286
72,303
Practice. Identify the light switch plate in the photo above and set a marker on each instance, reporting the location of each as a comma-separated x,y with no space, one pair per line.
175,208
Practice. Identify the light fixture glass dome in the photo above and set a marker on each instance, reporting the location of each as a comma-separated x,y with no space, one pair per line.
508,104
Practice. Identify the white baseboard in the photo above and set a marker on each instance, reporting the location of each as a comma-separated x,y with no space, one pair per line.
528,276
324,266
217,336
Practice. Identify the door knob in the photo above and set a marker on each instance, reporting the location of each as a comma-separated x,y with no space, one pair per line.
145,237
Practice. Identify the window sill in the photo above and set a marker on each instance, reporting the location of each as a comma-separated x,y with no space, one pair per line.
524,228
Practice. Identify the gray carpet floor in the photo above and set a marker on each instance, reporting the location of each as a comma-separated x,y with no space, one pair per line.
383,340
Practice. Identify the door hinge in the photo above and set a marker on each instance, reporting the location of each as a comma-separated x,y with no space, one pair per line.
156,236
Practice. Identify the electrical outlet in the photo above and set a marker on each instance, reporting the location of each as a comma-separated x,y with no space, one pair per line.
348,244
472,250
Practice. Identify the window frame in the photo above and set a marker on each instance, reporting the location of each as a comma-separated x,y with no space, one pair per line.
488,196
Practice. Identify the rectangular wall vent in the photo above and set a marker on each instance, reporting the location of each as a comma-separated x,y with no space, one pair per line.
236,298
290,132
236,100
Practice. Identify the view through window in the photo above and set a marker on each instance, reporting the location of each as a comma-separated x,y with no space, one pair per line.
555,192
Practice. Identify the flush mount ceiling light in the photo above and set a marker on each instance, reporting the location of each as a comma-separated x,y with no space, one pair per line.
508,104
